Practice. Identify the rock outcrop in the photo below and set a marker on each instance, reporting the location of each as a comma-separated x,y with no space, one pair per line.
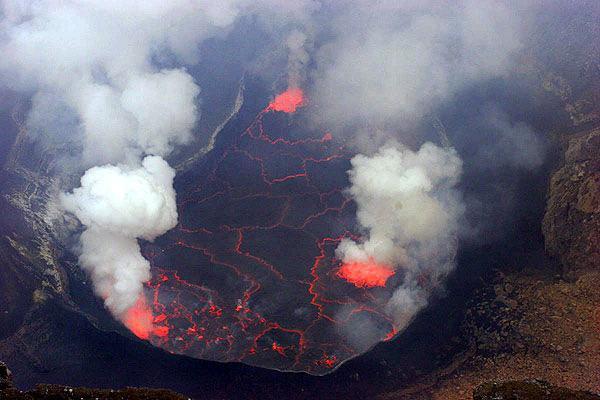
58,392
5,377
571,224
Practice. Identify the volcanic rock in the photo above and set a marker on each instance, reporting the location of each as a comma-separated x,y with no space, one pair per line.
571,224
528,390
58,392
5,377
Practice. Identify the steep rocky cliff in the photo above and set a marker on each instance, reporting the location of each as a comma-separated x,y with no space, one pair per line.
572,221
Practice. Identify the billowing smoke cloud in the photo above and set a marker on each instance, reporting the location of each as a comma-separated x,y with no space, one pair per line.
384,71
117,205
102,80
408,205
96,60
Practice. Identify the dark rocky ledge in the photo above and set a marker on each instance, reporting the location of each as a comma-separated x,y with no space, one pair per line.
5,377
509,390
58,392
528,390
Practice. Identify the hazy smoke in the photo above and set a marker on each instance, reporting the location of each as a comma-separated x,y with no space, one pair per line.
506,143
408,205
395,61
96,58
297,57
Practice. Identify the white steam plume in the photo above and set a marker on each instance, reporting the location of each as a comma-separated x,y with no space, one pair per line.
380,70
117,205
95,60
410,209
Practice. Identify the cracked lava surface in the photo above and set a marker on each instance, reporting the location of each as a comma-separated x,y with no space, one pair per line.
250,274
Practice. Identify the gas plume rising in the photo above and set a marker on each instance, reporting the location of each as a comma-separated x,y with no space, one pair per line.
293,97
383,72
117,205
409,208
297,57
118,107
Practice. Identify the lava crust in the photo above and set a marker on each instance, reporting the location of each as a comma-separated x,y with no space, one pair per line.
250,272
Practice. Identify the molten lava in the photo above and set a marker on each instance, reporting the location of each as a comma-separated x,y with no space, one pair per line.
288,101
249,274
365,273
138,319
141,322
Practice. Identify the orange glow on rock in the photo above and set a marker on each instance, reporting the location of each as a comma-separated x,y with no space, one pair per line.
288,101
365,273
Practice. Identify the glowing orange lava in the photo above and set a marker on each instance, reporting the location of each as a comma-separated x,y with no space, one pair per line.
161,331
233,313
365,273
288,101
140,321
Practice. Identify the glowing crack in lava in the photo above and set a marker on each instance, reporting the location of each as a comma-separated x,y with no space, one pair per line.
288,101
250,273
365,273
